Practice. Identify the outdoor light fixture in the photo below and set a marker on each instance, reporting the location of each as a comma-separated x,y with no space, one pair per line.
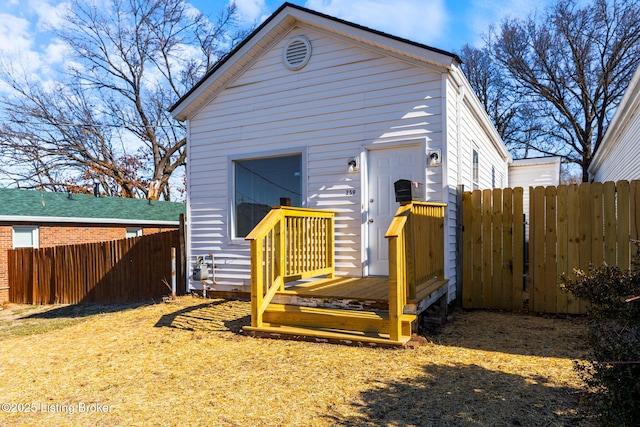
353,165
434,157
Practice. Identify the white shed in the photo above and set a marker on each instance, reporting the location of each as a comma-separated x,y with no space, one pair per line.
618,157
534,172
318,112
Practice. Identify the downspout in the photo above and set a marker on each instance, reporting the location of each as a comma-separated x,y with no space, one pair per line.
187,228
444,169
460,92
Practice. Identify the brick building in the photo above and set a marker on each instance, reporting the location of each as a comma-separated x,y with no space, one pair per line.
39,219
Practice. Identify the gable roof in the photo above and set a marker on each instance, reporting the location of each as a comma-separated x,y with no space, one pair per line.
275,27
18,205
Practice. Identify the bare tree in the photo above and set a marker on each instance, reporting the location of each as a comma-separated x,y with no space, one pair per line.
570,67
106,121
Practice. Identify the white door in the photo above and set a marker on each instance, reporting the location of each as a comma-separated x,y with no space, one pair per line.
384,168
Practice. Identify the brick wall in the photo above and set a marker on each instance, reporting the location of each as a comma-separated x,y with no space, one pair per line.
68,234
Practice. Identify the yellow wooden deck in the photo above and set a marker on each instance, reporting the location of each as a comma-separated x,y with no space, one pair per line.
357,288
359,315
295,291
374,290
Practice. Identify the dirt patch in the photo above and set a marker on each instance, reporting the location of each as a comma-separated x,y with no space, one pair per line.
188,363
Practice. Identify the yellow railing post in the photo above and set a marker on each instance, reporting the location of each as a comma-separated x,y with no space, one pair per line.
257,286
330,246
292,252
281,255
397,270
416,254
396,279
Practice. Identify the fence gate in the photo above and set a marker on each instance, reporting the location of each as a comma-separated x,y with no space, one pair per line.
570,227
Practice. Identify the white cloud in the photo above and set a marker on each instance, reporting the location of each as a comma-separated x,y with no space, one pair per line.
49,15
14,33
423,21
16,43
25,46
251,10
57,52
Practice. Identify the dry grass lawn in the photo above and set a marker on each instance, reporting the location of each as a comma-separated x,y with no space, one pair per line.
188,364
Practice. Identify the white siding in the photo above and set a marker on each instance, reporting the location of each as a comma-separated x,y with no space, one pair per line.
464,132
525,173
618,157
622,161
538,172
345,99
475,136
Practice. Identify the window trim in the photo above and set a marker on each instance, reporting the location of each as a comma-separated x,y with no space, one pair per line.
35,235
231,190
475,168
137,230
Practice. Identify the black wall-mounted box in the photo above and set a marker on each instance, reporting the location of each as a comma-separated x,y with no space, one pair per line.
408,191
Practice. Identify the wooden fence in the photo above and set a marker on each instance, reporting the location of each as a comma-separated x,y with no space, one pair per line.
570,227
118,271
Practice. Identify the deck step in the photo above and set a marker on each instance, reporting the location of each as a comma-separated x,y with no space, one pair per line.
339,319
325,336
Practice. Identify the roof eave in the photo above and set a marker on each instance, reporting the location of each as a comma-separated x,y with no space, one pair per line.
537,161
79,220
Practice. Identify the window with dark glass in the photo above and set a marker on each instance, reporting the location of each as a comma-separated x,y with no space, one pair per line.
476,170
263,183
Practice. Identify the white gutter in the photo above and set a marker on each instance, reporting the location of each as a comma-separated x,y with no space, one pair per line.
58,219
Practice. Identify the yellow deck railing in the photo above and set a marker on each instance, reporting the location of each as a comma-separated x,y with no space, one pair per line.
416,254
288,244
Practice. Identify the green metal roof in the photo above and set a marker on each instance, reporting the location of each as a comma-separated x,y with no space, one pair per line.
34,205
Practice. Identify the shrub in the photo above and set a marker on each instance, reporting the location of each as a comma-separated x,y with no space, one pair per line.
614,340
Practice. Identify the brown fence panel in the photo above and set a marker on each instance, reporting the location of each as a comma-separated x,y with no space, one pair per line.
623,224
493,248
570,227
506,240
536,252
551,238
573,245
634,210
519,244
127,270
467,249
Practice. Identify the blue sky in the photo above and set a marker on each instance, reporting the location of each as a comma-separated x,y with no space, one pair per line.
27,47
444,24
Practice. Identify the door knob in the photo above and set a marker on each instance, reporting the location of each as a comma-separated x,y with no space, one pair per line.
371,220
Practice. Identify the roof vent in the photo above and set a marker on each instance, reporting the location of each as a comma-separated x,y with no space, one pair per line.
297,53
